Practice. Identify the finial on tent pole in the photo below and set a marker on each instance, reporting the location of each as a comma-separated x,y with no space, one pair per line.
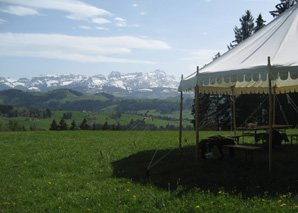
182,77
269,61
198,69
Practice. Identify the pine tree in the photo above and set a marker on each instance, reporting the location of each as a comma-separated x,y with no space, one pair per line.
282,7
63,125
84,125
54,125
260,23
246,29
73,125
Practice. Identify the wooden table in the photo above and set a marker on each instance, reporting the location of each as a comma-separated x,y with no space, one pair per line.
254,129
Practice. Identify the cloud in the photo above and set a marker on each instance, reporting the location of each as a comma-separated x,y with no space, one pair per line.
120,22
202,57
2,21
101,28
20,11
76,48
143,13
78,10
135,5
100,21
85,27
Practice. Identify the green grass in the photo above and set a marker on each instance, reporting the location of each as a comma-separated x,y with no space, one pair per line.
104,171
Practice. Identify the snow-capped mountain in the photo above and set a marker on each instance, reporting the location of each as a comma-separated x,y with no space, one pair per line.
120,84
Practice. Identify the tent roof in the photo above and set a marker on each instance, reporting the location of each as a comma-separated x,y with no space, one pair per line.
245,69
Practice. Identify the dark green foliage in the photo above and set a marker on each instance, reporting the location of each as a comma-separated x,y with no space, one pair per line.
214,112
54,125
67,115
62,125
16,126
246,29
84,125
105,126
282,7
73,125
5,109
259,23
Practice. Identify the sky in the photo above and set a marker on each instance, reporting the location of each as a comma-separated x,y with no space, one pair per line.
92,37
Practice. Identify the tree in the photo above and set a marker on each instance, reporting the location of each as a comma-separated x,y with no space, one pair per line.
105,126
84,125
73,125
246,29
67,115
282,7
54,125
63,125
260,23
216,56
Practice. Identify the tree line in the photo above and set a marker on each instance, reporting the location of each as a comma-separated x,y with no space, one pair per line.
134,125
10,111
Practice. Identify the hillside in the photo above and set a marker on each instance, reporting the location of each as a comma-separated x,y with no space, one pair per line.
65,99
102,107
156,84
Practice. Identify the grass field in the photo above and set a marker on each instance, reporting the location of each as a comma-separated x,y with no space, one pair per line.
103,171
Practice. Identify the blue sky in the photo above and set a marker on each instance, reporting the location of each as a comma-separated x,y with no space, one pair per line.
91,37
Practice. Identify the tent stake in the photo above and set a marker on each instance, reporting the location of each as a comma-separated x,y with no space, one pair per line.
197,117
270,117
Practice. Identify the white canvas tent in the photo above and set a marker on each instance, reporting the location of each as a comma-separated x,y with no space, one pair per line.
246,69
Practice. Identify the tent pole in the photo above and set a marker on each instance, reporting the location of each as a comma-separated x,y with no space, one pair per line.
180,127
197,117
270,118
274,107
234,110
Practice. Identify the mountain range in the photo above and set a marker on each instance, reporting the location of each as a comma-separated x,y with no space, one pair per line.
156,84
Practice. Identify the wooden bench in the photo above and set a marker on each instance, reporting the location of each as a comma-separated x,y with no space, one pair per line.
295,136
248,150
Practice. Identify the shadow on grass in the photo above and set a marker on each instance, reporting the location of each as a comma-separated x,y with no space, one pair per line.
179,169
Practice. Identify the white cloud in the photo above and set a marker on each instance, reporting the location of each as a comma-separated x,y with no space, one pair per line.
100,21
202,57
120,22
143,13
77,9
101,28
85,27
120,19
135,5
20,11
91,49
2,21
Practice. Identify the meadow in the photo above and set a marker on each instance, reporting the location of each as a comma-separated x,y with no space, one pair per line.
105,171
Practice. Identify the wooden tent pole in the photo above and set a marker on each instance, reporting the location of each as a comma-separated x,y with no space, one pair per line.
197,118
274,107
234,110
270,117
180,127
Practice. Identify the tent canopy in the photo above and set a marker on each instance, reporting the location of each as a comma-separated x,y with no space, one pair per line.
245,69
